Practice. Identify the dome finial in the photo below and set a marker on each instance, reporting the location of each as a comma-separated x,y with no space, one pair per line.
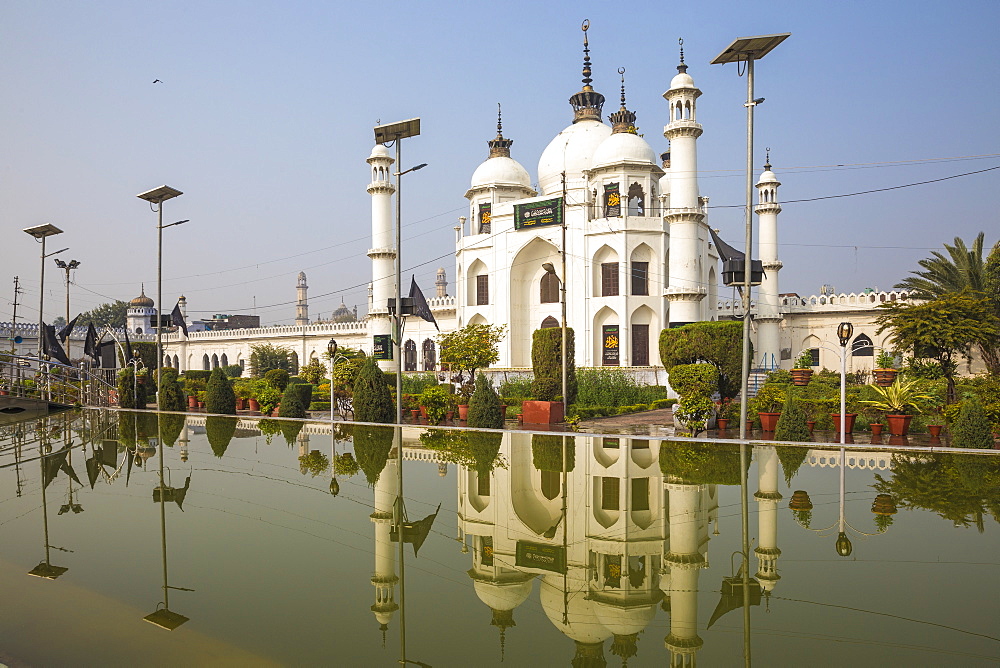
587,103
767,161
682,67
622,120
500,147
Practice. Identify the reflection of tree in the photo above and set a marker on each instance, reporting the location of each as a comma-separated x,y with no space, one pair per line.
791,459
126,429
290,430
345,465
701,464
315,462
547,452
960,488
475,450
220,432
171,427
268,428
372,446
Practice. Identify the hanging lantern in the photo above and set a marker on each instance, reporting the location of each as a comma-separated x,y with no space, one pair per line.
844,332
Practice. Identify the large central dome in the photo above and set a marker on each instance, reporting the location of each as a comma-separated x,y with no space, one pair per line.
571,151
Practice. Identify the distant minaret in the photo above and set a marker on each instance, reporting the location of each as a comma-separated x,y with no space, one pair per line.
768,308
441,283
686,287
302,305
182,303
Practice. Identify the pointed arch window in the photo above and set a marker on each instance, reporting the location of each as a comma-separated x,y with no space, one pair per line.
636,200
409,355
862,346
549,323
429,355
551,484
549,288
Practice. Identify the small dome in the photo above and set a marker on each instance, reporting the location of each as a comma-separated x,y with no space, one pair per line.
503,595
571,151
681,80
141,301
501,171
768,177
383,617
624,621
583,625
380,151
623,147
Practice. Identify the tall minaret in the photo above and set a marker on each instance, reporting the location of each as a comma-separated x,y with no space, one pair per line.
688,519
768,307
686,284
301,305
384,579
767,497
441,283
383,250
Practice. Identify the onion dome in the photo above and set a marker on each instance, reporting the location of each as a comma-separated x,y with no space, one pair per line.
682,79
502,595
768,176
142,300
582,625
624,145
380,151
500,168
624,621
344,314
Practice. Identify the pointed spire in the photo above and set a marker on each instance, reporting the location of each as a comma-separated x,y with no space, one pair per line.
767,162
682,67
587,104
622,120
500,147
504,619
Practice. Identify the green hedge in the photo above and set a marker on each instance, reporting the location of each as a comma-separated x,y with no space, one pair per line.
197,374
319,406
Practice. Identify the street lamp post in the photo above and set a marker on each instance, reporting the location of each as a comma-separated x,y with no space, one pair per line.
41,233
158,196
68,267
844,332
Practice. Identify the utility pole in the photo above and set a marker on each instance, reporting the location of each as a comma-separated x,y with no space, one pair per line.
13,320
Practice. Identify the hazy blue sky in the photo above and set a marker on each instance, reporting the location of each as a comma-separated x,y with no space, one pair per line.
265,112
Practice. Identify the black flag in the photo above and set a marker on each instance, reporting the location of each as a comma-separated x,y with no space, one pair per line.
90,345
68,329
420,307
178,319
51,347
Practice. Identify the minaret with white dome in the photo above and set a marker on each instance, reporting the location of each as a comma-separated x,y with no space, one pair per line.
302,304
383,250
686,279
768,307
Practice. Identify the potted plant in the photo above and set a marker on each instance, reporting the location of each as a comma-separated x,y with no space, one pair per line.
462,403
767,404
885,369
544,408
434,403
900,402
802,370
727,411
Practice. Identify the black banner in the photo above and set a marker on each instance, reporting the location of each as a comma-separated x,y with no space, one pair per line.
612,201
611,344
485,218
382,347
546,557
537,214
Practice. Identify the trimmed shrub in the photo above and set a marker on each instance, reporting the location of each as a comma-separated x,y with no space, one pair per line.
614,387
792,423
701,464
170,427
171,394
219,395
294,401
126,388
546,360
972,429
233,370
372,400
435,401
546,389
277,378
372,446
484,406
197,374
718,343
694,379
290,430
319,406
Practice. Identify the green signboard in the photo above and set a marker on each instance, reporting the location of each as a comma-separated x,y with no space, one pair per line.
537,214
382,347
546,557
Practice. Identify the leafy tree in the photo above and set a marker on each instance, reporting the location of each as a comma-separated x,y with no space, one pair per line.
718,343
220,431
346,465
146,351
372,400
972,429
112,314
314,372
277,378
171,394
484,406
472,347
942,329
792,423
265,356
344,372
219,395
546,361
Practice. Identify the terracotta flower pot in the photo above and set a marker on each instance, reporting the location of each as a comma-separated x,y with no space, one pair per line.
423,412
449,416
849,419
876,428
768,421
414,415
254,405
192,401
899,425
463,411
801,376
811,424
542,412
722,424
934,430
884,377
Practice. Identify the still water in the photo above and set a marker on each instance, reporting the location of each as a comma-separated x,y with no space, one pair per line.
626,550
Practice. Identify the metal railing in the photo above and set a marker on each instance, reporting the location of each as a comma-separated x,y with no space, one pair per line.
30,378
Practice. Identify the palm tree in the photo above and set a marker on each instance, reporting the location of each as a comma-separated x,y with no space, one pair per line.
962,268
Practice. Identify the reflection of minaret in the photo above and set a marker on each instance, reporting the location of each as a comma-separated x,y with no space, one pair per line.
303,439
384,580
767,518
441,283
301,305
688,517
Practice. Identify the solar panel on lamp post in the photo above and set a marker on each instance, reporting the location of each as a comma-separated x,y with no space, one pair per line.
41,233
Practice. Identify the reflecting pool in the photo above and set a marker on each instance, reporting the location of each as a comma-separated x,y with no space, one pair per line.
271,542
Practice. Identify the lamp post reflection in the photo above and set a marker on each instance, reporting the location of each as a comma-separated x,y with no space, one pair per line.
49,463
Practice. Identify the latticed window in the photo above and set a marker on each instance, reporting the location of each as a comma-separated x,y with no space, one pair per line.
609,279
482,289
640,345
640,278
549,287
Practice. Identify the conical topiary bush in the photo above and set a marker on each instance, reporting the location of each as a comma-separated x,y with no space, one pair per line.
972,428
484,406
372,400
219,395
792,423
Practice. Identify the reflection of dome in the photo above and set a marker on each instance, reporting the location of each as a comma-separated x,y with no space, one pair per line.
570,151
624,621
141,301
583,626
502,595
623,147
502,171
